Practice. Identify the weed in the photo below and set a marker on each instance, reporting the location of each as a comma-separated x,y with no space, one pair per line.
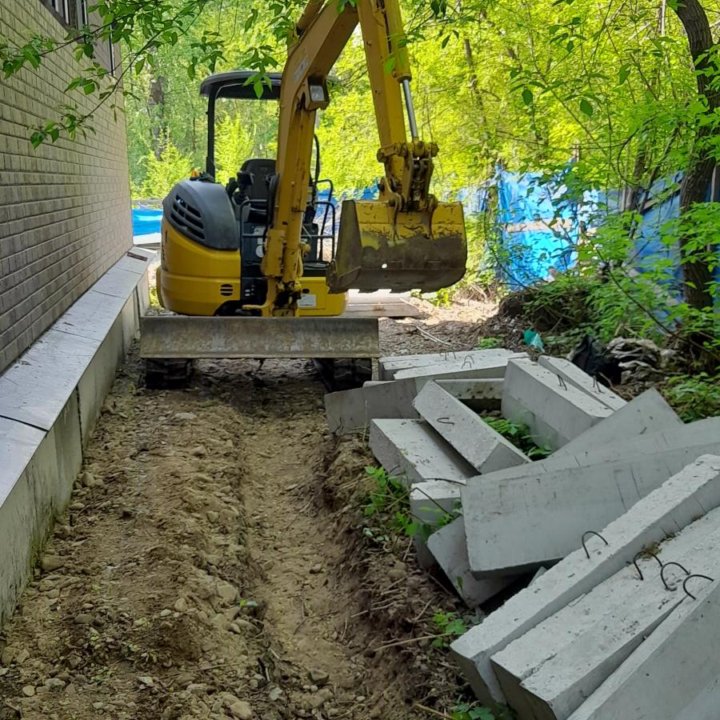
519,436
488,343
694,397
467,711
450,626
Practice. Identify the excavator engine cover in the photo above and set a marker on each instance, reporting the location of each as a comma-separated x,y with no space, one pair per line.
380,249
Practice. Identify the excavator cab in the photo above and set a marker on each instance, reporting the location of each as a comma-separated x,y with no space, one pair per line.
214,233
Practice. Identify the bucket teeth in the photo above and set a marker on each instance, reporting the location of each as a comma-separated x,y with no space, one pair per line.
380,249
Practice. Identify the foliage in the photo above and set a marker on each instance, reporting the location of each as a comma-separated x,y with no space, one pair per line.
694,397
467,711
164,171
518,435
388,505
489,343
450,626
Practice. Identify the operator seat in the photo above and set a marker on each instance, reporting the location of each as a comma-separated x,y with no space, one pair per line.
261,170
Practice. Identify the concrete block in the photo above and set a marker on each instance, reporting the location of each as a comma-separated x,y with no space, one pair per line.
37,387
37,471
485,449
431,501
514,524
92,316
548,672
352,410
447,545
554,411
573,375
677,502
98,377
481,395
411,449
674,674
645,414
454,369
391,365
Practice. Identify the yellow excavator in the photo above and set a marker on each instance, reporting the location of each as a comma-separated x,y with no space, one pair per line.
253,268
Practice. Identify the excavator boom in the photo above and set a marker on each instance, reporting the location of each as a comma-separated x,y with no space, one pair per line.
404,240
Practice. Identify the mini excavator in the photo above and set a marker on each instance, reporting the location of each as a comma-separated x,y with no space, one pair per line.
254,268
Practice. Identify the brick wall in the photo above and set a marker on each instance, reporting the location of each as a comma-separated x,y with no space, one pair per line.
64,208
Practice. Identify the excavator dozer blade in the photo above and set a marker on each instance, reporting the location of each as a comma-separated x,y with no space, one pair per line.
379,249
169,337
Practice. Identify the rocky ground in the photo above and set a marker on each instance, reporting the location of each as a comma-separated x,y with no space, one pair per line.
214,562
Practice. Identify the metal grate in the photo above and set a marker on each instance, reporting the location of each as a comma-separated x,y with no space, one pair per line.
188,217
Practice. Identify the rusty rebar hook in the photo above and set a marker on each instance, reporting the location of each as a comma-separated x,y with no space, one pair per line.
695,575
591,532
645,553
662,573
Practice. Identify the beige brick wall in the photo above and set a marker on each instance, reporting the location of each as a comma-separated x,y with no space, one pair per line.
64,208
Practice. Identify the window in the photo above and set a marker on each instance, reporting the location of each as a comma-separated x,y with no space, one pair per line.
61,8
73,13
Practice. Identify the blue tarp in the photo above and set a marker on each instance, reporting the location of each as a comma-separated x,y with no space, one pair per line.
146,221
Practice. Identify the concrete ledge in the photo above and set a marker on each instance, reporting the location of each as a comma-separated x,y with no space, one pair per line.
50,399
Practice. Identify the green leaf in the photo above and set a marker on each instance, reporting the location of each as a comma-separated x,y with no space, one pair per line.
527,96
623,74
586,107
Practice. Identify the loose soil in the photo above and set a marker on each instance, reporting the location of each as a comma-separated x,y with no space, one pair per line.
214,563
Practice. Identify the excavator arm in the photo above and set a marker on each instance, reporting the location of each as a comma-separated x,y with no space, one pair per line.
404,240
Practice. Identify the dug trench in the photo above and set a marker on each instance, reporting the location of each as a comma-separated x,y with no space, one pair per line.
214,563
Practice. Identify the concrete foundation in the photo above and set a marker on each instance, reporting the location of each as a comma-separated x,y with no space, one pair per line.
485,449
573,375
553,410
518,523
674,674
412,450
447,545
49,401
664,512
646,414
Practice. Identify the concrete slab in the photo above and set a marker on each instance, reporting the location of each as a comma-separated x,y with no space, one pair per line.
117,283
390,366
484,448
554,411
481,395
431,501
516,524
37,471
454,369
447,545
92,316
674,674
345,411
18,443
37,387
573,375
412,450
645,414
560,662
98,377
687,495
550,670
430,504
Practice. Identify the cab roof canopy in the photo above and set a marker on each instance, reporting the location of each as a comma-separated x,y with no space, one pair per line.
238,85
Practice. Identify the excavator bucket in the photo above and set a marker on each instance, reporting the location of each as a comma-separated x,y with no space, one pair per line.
380,249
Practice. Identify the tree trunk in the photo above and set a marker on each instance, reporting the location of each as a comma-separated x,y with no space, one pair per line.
698,175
